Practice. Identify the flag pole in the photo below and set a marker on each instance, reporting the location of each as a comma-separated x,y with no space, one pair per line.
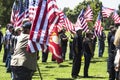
39,72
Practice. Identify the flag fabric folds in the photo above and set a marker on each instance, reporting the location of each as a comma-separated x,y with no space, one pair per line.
19,12
33,6
88,14
40,27
60,21
54,45
43,25
106,12
98,27
81,21
68,24
115,17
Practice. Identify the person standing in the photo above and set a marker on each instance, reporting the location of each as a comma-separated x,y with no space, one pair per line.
77,48
88,51
111,57
101,44
23,63
71,52
8,46
109,37
64,40
117,56
1,39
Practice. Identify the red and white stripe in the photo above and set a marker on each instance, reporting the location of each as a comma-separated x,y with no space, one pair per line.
45,16
106,12
98,27
116,17
88,14
69,25
32,9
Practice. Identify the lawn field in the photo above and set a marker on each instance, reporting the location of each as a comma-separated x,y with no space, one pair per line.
53,71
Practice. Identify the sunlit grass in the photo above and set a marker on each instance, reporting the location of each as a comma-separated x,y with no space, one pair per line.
53,71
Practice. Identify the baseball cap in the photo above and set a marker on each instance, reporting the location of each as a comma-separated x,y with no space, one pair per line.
27,25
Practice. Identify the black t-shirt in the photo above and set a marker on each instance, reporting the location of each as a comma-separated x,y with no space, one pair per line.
86,47
63,42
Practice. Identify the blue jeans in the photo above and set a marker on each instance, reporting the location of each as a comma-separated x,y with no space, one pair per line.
8,61
101,46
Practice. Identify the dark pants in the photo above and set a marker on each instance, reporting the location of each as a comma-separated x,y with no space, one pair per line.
112,74
64,48
21,73
117,75
111,69
5,54
71,50
101,46
44,56
87,59
76,64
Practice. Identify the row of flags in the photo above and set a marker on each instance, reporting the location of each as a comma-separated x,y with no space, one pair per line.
47,20
108,12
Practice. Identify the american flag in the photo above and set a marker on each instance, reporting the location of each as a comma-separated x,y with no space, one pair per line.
116,17
60,21
98,27
44,19
64,22
88,14
106,12
33,6
81,21
68,24
19,12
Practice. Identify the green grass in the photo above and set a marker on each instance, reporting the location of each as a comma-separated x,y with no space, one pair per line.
53,71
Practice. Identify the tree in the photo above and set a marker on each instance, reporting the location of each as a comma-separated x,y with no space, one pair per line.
73,14
5,11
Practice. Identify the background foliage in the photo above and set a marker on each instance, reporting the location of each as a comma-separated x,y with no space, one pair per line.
5,11
6,6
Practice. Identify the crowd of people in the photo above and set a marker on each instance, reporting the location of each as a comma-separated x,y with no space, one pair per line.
22,65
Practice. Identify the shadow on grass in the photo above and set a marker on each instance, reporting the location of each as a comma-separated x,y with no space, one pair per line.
2,65
61,66
42,74
50,67
90,77
100,59
64,79
97,77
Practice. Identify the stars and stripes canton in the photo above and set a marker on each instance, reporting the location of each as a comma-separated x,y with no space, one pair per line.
88,14
81,21
98,27
33,5
116,17
15,12
106,12
19,12
44,19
